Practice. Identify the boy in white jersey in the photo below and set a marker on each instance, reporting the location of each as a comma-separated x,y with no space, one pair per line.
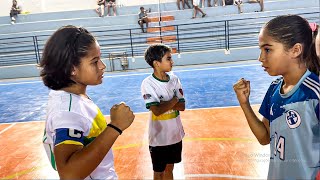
163,95
290,109
77,138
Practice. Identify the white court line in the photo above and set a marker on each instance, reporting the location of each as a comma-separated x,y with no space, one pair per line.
139,74
24,122
7,128
178,171
29,82
219,175
186,70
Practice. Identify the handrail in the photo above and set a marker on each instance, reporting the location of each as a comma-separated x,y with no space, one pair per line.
209,36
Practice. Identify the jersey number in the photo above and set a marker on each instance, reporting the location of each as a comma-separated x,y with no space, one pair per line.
279,146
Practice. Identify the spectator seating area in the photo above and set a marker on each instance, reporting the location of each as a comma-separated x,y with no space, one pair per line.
223,35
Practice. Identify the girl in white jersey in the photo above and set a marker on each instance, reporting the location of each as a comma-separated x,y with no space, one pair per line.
77,138
290,108
163,95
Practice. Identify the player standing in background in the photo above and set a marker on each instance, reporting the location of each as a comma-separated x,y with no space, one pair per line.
163,95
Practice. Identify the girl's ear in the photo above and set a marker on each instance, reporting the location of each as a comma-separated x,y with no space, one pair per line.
73,71
296,50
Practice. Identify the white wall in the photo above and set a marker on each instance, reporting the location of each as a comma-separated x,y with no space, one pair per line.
38,6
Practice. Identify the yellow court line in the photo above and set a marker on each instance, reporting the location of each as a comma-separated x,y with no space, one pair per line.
130,146
188,139
219,139
17,174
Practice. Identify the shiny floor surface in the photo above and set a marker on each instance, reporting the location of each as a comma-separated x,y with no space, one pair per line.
218,142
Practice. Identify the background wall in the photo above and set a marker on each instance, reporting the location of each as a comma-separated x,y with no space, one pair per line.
40,6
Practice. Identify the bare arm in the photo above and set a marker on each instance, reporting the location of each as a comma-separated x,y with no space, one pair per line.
180,106
259,128
164,106
78,162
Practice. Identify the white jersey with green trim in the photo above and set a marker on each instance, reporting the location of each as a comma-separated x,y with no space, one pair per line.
167,128
72,119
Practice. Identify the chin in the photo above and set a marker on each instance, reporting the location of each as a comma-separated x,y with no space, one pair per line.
272,74
97,82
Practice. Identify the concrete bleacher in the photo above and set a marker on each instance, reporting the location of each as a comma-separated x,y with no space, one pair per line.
127,16
115,33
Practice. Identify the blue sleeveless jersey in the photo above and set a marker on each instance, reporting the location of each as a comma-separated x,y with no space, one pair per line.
294,128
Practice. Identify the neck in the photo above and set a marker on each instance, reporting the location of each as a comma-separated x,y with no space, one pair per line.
76,89
161,75
293,76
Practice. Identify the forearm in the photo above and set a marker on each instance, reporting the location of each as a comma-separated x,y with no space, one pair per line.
256,125
180,106
83,162
164,106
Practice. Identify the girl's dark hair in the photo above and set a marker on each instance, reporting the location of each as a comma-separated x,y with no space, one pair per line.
315,33
155,52
62,52
292,29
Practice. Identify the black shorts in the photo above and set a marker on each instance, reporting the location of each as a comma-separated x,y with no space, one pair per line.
100,3
142,20
163,155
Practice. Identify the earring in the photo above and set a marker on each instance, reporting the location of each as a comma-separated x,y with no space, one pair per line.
73,73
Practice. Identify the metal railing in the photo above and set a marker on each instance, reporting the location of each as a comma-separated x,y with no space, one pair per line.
190,37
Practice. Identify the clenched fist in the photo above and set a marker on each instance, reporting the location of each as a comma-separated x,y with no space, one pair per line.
121,116
242,89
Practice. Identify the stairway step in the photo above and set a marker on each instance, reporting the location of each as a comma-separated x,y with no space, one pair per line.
157,29
163,18
164,39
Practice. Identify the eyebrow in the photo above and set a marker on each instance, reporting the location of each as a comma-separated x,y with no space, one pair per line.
94,58
263,45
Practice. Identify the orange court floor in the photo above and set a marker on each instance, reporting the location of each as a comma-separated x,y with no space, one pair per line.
218,145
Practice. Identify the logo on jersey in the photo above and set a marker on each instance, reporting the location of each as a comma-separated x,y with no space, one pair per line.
271,112
181,92
146,96
293,119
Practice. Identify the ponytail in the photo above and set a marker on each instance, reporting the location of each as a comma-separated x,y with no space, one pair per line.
312,60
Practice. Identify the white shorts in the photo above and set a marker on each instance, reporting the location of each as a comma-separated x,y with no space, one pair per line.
196,2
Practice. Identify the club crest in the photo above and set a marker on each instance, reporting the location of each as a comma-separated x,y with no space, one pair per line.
146,96
293,119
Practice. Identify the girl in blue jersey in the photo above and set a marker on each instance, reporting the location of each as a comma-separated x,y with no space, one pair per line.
290,108
77,138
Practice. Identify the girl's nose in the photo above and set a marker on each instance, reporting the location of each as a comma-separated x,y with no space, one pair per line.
260,58
102,65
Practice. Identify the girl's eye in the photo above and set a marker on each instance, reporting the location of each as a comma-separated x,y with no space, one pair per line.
267,50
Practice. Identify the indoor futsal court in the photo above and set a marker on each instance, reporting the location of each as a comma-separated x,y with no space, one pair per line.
218,142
